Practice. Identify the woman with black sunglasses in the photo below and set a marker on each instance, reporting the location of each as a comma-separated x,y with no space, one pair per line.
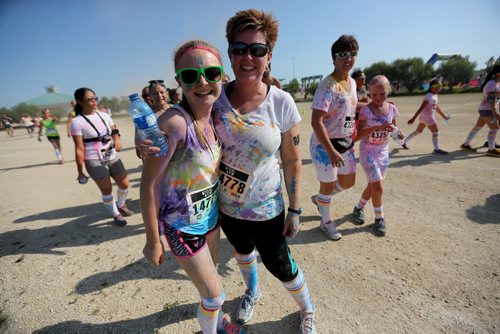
96,141
179,189
258,124
333,121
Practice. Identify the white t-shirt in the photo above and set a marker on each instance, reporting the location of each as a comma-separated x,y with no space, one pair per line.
250,178
339,106
491,87
80,127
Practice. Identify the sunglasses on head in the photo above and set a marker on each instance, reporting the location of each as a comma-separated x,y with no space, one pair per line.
241,48
90,99
346,54
151,82
191,75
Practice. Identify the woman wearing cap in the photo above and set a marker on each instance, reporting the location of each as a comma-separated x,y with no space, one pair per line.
49,124
96,141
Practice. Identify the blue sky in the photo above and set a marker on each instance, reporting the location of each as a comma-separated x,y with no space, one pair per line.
116,46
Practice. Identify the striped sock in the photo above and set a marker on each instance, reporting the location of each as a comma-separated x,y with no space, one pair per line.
208,313
324,207
435,143
110,205
379,212
248,269
492,135
361,204
121,196
471,135
410,136
297,288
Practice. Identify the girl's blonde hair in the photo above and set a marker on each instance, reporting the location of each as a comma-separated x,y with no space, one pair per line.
380,80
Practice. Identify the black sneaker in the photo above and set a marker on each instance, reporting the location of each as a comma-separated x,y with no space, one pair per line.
126,212
468,148
405,147
486,145
359,216
439,152
119,220
380,228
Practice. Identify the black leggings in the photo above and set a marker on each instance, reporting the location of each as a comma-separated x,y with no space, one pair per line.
265,236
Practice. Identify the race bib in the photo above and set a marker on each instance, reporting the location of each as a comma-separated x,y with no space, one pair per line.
201,203
107,152
348,126
51,131
378,137
234,182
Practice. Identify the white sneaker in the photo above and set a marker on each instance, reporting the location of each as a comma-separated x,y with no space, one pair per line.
330,230
307,323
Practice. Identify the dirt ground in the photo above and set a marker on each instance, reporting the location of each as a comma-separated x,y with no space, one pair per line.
65,268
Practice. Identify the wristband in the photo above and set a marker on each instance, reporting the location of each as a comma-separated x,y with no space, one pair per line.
297,212
115,132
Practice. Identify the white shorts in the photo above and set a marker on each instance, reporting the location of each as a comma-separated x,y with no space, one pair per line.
325,171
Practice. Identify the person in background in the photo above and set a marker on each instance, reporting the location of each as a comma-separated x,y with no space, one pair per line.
427,118
179,189
488,113
159,95
377,120
49,124
226,78
28,124
96,141
70,115
258,126
7,125
360,78
145,96
175,95
333,121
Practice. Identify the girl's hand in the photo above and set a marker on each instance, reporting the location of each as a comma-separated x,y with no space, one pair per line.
386,127
154,252
146,148
118,145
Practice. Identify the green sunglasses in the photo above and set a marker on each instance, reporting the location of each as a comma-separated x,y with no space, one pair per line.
191,75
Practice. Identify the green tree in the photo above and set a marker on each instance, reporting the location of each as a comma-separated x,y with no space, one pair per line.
457,70
377,68
312,88
411,72
23,108
292,87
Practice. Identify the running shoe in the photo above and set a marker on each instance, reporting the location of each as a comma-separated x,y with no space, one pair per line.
330,230
314,199
468,148
307,323
126,212
486,145
404,146
380,228
494,153
245,309
229,328
119,220
439,152
359,216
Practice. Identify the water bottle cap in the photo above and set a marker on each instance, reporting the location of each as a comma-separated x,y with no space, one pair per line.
134,96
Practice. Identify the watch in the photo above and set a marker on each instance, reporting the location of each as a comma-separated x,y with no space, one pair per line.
297,212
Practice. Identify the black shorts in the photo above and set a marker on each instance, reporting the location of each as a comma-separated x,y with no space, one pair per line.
53,138
265,236
184,244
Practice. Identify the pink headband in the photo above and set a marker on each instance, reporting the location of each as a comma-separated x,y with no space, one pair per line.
197,47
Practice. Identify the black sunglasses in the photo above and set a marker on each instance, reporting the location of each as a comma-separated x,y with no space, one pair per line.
241,48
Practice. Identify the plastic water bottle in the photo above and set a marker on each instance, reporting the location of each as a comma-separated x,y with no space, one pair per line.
146,124
447,119
395,136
